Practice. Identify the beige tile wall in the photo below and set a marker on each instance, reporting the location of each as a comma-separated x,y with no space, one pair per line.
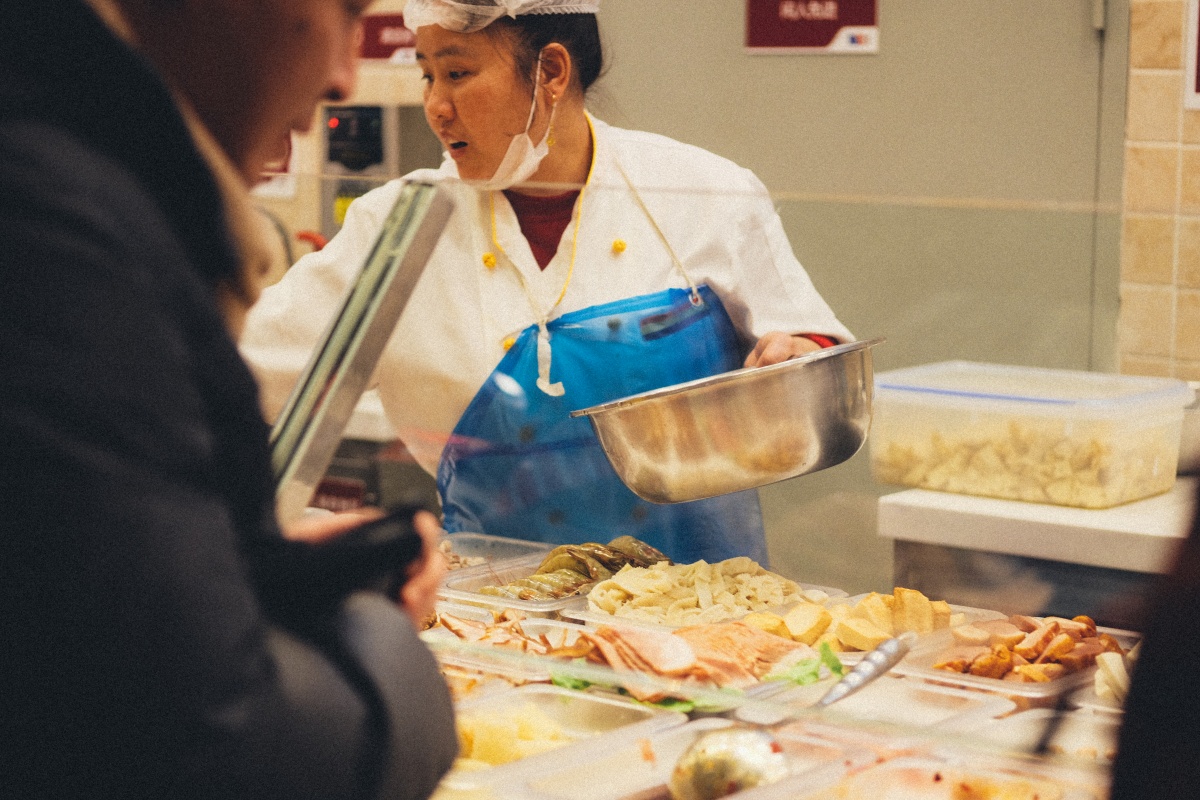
1160,243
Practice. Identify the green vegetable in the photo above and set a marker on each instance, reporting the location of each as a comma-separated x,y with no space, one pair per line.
808,671
830,660
567,682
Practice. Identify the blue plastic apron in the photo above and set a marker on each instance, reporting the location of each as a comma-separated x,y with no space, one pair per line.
517,465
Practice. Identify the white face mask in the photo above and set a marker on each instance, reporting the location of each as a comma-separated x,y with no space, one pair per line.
522,158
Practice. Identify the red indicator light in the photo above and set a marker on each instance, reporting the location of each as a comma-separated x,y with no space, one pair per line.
334,122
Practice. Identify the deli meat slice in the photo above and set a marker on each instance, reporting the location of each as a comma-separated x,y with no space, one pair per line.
650,650
728,645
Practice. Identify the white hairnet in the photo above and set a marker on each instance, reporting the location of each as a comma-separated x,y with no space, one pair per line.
465,16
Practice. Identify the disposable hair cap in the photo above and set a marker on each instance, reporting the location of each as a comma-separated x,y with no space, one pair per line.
467,16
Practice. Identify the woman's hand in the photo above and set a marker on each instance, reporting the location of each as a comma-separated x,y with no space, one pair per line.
777,346
425,575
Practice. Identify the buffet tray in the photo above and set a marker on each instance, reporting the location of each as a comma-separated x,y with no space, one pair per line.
970,614
594,723
889,700
919,664
937,778
1080,734
583,613
463,586
642,768
494,550
534,668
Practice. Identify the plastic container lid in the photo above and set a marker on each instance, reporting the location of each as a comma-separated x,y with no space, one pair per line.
1057,390
463,586
1080,734
936,778
919,663
594,723
891,700
589,616
492,549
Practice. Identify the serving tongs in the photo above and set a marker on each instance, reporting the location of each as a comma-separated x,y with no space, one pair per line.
307,433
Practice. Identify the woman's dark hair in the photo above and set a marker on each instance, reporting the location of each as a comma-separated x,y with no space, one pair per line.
578,33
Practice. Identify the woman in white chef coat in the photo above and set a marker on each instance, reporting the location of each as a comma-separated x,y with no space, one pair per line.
582,263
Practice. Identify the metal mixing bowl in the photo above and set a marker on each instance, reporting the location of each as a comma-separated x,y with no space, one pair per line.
741,429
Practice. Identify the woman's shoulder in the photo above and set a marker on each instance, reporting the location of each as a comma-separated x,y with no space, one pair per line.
652,157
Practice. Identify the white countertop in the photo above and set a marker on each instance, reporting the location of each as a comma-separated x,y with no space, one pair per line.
1139,536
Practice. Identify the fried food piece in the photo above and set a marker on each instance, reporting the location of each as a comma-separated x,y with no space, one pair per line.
860,634
1057,647
766,621
807,621
941,614
1036,640
911,611
994,664
1041,673
874,609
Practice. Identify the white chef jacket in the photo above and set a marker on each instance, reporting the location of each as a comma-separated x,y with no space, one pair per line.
716,216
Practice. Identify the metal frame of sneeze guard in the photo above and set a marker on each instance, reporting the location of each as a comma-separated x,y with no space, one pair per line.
309,429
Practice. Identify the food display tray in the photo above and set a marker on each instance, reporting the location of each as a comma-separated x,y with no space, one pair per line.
930,778
642,768
970,614
889,700
528,670
463,586
493,549
516,667
1080,734
1064,437
586,615
595,723
919,663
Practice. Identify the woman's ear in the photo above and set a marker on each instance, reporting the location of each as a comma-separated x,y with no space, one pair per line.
556,69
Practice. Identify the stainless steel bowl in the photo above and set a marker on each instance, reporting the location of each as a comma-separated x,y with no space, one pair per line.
741,429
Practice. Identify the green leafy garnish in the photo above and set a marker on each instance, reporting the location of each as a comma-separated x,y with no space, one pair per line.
830,660
567,682
808,671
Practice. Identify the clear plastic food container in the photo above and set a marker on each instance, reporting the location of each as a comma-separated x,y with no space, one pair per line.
919,663
1080,734
1064,437
464,586
574,721
967,614
530,670
889,700
923,778
642,767
582,613
479,550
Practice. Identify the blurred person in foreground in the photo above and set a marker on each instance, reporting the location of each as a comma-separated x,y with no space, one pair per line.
1158,753
145,654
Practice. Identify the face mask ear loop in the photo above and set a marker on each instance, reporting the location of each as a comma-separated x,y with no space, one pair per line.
537,78
550,128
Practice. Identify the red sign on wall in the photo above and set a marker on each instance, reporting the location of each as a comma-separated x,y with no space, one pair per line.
386,38
812,26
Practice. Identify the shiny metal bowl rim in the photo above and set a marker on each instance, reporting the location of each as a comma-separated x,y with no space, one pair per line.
729,377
